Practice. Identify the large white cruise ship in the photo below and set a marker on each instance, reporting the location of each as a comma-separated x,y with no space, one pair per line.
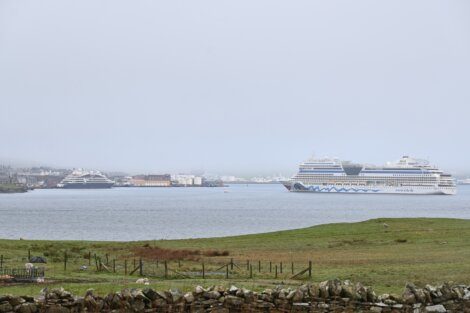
406,176
79,179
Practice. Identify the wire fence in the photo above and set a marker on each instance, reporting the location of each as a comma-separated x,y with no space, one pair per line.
22,274
222,268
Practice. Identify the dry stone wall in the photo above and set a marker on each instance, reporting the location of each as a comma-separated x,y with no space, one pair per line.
328,296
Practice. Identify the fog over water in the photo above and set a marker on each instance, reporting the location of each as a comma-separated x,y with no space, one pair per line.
240,87
164,213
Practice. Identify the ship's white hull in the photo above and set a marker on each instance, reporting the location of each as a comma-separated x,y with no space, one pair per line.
413,190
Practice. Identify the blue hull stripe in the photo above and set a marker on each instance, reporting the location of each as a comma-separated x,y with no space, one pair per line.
334,189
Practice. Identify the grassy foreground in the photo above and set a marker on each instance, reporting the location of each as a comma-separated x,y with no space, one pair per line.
383,253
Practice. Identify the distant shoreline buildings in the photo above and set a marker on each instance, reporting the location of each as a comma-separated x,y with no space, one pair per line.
50,178
149,181
465,181
254,180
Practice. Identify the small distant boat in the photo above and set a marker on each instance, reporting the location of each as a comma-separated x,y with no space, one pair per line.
225,191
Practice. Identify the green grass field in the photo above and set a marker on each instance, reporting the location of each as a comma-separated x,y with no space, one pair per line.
420,250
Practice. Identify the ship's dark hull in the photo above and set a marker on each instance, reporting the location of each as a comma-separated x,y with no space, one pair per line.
88,186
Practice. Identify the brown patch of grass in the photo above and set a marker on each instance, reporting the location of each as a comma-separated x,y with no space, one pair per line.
148,252
347,242
216,253
158,253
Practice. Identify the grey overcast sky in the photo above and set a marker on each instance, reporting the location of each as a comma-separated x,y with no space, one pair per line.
241,87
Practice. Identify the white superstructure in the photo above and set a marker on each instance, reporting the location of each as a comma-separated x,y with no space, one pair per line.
406,176
79,179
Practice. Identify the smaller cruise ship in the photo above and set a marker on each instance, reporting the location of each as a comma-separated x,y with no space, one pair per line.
85,180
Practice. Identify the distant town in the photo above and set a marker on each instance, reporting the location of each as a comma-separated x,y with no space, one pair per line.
21,179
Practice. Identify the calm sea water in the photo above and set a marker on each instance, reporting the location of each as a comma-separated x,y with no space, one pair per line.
155,213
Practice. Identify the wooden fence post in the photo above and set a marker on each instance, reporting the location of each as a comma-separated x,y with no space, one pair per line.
179,263
89,258
203,271
141,267
107,259
114,265
259,266
310,269
29,255
270,266
96,262
125,267
166,270
251,271
134,262
1,261
280,268
231,263
65,260
292,268
226,271
275,271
